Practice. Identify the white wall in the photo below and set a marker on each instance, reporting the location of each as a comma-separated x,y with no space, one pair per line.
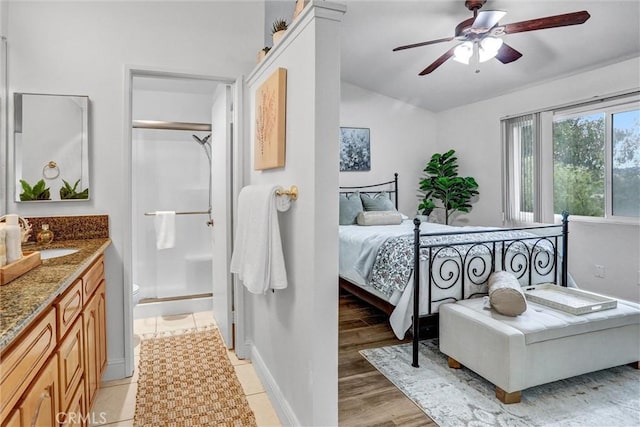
3,107
403,138
82,47
474,131
293,333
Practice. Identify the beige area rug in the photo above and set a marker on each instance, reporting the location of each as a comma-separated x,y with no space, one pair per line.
459,397
188,380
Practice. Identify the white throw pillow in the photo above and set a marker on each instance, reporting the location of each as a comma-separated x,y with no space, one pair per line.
379,218
505,294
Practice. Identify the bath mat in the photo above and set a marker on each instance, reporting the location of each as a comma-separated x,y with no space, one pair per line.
459,397
188,380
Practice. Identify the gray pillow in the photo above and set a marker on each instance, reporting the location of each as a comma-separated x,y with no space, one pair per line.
350,206
377,202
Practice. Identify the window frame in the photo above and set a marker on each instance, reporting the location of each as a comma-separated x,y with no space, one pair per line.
543,151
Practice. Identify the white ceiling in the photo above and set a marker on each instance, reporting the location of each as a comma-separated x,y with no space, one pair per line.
371,29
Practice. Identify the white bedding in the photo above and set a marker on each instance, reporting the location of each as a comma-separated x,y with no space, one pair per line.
358,247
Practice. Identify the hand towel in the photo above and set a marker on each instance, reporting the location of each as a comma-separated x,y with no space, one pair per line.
165,225
257,255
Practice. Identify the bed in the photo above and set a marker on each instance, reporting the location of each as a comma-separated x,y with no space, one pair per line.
383,264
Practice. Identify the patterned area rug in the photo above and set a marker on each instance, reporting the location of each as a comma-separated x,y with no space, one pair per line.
459,397
188,380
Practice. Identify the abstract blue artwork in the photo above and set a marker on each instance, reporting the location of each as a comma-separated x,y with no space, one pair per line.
355,149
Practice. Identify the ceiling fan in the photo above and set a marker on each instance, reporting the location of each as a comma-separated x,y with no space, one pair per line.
480,36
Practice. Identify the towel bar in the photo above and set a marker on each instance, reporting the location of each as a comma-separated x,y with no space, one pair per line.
292,192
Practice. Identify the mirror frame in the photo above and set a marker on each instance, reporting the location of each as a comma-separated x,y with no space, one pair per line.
18,147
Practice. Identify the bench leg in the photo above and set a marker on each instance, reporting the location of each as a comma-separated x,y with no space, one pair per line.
507,398
453,363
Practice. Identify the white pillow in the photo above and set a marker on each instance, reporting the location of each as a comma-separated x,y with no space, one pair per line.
505,294
379,218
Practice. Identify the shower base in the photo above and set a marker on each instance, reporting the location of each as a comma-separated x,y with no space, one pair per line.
173,305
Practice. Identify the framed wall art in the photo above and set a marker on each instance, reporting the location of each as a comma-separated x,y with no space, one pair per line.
355,149
271,111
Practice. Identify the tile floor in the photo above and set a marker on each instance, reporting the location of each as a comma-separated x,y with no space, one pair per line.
116,400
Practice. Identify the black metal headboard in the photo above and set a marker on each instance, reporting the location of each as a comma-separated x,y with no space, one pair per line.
392,193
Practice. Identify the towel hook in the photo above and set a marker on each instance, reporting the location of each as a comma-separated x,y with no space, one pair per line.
292,192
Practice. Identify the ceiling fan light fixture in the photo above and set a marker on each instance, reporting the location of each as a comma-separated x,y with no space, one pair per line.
489,47
463,52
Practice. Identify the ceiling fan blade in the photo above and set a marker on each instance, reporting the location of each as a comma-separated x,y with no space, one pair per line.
438,62
507,54
409,46
574,18
487,19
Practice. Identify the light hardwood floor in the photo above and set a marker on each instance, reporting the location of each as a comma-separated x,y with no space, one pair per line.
365,396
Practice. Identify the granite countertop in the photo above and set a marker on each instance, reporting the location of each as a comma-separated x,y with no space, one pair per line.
23,299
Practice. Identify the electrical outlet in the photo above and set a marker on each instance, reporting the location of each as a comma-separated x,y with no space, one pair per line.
599,271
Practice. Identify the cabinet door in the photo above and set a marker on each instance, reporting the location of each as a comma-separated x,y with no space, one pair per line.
40,404
102,329
75,414
91,366
71,363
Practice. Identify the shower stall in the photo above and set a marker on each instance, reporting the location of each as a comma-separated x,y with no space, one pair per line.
171,172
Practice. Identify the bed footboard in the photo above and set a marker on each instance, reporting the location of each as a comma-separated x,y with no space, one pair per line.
467,259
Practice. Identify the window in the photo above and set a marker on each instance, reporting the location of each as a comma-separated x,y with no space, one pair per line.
585,160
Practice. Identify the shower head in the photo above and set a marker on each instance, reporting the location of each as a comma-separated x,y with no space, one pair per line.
201,141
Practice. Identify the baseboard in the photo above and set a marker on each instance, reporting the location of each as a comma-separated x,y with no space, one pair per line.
280,404
114,370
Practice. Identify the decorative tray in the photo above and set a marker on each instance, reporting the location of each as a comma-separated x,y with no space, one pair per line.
29,261
569,300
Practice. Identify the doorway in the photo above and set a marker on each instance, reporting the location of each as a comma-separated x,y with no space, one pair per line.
181,137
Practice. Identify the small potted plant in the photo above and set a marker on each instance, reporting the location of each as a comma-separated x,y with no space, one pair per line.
278,29
38,192
262,53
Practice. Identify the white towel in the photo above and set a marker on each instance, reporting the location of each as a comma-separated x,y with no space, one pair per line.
257,255
165,225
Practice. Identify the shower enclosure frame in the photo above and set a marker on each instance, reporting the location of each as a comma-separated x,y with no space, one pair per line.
235,301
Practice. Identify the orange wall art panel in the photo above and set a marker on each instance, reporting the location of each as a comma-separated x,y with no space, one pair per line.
271,111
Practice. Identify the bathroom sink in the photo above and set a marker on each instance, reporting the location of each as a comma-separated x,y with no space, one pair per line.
56,252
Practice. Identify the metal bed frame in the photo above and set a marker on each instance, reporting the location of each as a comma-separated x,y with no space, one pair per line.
474,270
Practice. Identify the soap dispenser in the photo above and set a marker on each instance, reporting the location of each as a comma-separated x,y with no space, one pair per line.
44,236
13,238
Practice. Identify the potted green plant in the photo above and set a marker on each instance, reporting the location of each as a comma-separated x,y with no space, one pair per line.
278,29
38,192
442,183
69,192
262,53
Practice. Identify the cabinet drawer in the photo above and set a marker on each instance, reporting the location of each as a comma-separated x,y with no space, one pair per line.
92,278
70,363
20,364
69,307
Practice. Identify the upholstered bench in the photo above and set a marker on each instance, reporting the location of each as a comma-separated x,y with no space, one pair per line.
539,346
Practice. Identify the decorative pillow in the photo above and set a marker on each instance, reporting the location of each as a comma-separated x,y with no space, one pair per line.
377,202
379,218
350,206
505,294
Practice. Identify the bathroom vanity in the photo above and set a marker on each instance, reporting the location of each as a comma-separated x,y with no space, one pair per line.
53,338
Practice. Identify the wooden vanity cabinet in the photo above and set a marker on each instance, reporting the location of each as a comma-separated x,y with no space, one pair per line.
39,405
50,375
95,335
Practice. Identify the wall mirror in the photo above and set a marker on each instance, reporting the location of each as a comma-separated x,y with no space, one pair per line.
51,147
